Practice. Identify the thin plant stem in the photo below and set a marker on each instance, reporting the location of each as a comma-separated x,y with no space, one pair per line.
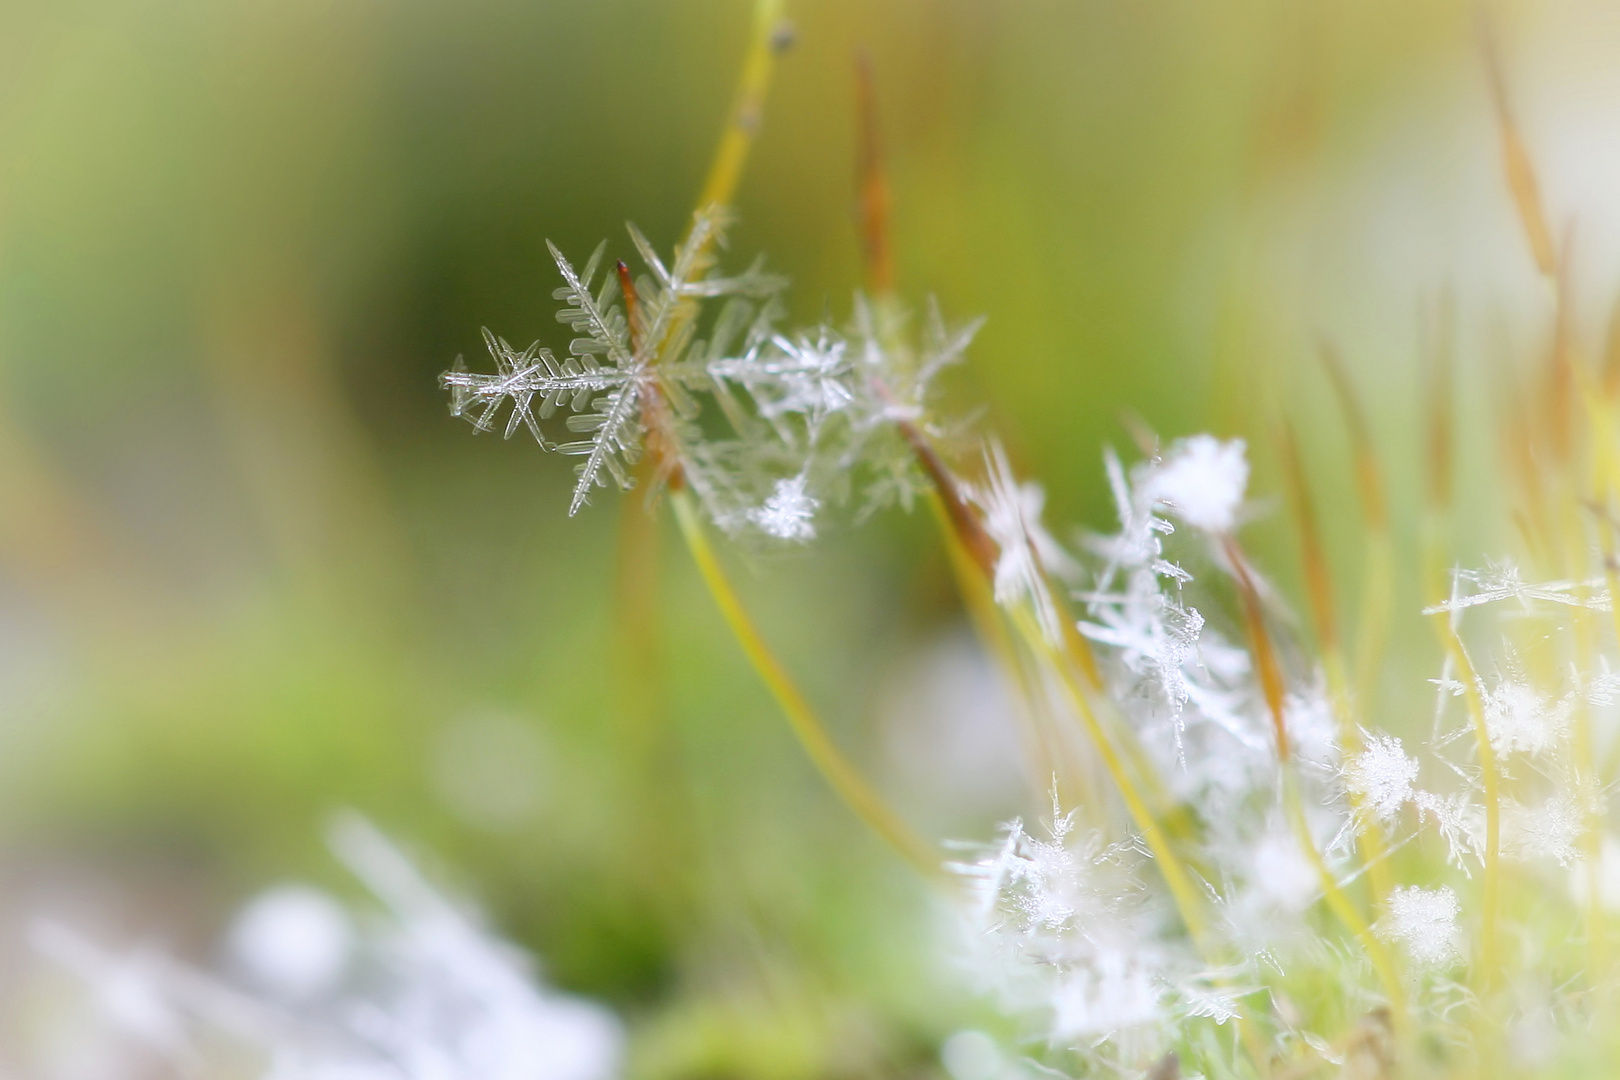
1319,592
747,106
1491,887
961,521
1438,494
836,769
1378,579
980,601
1271,685
1170,865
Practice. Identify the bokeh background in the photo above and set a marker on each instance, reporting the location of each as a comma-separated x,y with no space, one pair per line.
251,572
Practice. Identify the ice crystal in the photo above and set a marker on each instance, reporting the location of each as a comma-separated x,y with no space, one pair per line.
1285,879
1424,923
422,994
1115,992
789,512
1521,719
816,409
1550,830
1312,727
1202,481
1503,581
1382,775
1158,638
1028,553
1460,822
1065,926
616,376
805,375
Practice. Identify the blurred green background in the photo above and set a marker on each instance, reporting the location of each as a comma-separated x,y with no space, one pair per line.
250,571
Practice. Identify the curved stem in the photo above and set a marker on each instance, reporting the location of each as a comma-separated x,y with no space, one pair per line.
836,769
1490,890
1271,686
1170,865
747,107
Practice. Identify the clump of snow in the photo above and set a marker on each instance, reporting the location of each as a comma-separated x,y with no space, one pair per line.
419,991
1522,719
1382,775
291,941
1202,481
1424,923
789,513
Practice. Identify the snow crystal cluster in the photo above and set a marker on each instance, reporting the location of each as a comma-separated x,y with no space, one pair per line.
1077,931
311,991
811,415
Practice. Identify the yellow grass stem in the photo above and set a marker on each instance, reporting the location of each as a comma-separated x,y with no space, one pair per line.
1490,781
1378,573
638,534
1272,689
1170,865
747,106
1517,168
1603,421
980,550
766,39
1438,500
1343,698
836,769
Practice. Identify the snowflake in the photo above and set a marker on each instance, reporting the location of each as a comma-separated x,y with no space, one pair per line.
617,375
788,513
1382,775
1202,481
1027,552
1502,581
1424,922
1551,830
1521,718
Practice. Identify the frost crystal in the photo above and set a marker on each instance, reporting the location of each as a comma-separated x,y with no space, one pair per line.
1549,831
1382,775
1311,726
1012,517
1202,481
421,993
1284,877
1114,993
616,375
1461,824
1520,718
788,513
1424,922
1502,581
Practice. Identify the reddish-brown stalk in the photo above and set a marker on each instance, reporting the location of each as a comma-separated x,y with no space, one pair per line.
1318,577
1267,669
872,185
1369,478
1377,585
1438,489
1350,702
1272,687
1516,165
